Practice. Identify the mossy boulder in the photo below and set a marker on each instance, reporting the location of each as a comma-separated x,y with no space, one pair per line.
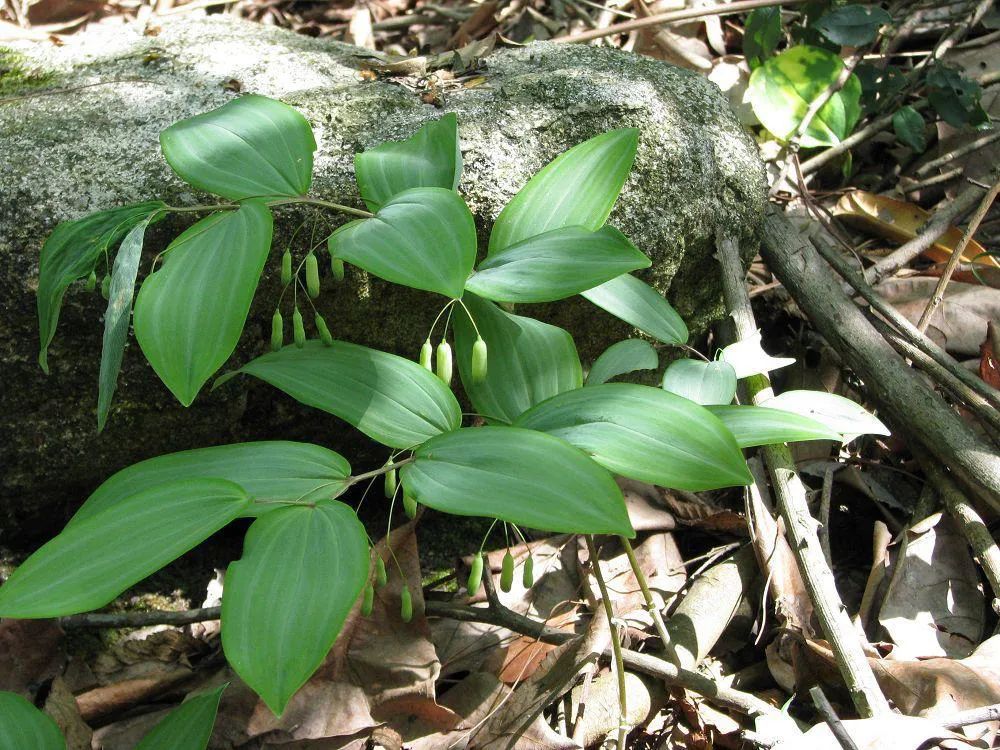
91,143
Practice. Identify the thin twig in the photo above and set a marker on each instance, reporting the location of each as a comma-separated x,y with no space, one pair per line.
973,716
800,526
832,720
616,646
904,326
956,255
671,16
929,233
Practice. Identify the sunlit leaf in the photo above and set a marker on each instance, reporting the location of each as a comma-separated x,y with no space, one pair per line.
621,358
72,251
287,598
189,314
92,562
784,87
702,382
578,188
270,470
391,399
835,412
529,361
188,727
431,157
118,317
517,475
251,147
24,727
644,433
638,304
755,425
424,238
555,265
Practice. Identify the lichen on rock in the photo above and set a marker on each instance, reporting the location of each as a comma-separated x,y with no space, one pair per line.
90,146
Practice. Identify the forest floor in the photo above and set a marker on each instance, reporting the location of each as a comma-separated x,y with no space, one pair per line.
879,274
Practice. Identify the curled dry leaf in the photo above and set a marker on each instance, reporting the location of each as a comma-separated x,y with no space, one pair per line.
31,652
900,221
898,732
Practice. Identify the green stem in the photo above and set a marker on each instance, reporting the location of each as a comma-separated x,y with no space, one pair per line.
616,646
273,203
377,472
647,595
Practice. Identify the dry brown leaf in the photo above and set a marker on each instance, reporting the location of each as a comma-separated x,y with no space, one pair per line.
111,699
961,318
31,652
989,356
897,732
61,706
508,726
933,605
900,221
646,508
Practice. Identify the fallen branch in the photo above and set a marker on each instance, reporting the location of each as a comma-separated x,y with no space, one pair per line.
833,721
912,404
800,526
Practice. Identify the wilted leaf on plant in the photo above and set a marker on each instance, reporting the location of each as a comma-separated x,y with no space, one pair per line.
900,221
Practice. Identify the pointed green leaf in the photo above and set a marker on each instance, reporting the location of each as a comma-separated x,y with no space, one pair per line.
761,35
702,382
520,476
644,433
621,358
287,598
555,265
784,87
431,157
391,399
92,562
836,412
578,188
189,314
251,147
755,425
24,727
529,361
118,316
268,470
638,304
188,727
908,125
72,251
852,25
424,238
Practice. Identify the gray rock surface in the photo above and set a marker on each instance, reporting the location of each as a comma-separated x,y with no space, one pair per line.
95,146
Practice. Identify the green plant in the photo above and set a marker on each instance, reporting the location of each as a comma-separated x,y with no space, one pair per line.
545,460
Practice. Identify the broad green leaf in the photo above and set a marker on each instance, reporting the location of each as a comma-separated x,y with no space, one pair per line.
423,237
639,305
391,399
72,251
852,25
555,265
92,562
189,314
287,598
268,470
118,316
188,727
529,361
702,382
755,425
644,433
24,727
784,87
578,188
748,357
517,475
251,147
431,157
957,99
761,35
625,356
836,412
908,124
